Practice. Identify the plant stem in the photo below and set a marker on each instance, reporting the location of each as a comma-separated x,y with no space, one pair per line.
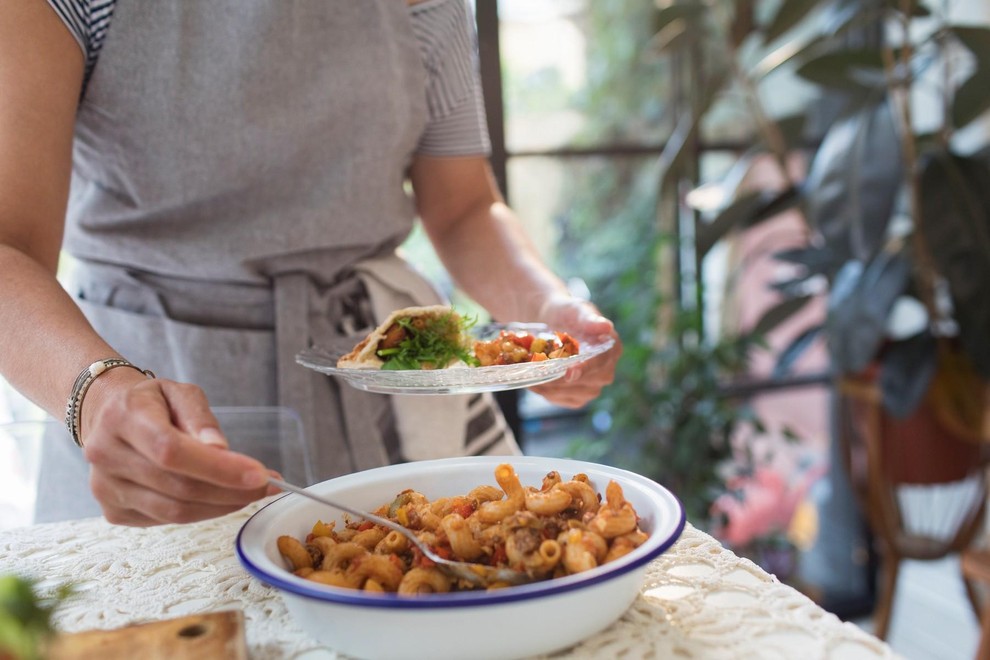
773,137
901,92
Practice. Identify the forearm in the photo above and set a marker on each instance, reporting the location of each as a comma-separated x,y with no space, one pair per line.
486,250
492,259
46,338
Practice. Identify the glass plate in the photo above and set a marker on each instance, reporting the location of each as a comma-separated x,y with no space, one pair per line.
453,380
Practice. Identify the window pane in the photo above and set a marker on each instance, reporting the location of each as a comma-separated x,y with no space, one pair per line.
587,216
578,74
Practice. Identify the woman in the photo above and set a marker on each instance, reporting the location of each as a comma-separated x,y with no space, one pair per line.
229,179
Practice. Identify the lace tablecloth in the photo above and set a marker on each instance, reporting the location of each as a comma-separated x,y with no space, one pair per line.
698,600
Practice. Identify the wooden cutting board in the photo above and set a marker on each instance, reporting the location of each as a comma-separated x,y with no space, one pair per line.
214,635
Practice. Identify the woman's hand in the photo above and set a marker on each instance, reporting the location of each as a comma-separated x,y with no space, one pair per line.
157,454
583,382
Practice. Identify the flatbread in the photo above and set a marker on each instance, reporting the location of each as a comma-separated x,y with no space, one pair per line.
365,354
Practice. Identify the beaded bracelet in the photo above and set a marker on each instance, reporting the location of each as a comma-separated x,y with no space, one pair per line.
73,409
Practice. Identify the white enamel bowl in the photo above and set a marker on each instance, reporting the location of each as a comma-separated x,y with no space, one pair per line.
505,623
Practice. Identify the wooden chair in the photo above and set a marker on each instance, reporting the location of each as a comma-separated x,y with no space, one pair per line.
883,455
976,568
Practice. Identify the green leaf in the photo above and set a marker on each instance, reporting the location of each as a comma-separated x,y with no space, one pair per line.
796,49
796,348
955,221
853,183
674,37
815,260
906,369
793,129
690,11
746,211
430,342
916,8
976,38
848,70
789,14
972,98
859,306
839,17
779,313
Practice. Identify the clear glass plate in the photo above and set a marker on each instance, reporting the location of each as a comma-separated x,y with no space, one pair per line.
459,379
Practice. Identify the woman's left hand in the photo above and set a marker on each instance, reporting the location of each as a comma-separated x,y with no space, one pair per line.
585,381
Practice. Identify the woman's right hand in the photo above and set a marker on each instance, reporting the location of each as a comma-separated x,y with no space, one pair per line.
157,454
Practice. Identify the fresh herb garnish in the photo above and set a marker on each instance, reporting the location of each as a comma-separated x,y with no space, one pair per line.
431,342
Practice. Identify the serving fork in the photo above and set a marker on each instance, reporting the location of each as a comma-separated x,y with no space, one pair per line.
479,575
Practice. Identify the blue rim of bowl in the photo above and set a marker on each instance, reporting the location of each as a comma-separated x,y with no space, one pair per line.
542,589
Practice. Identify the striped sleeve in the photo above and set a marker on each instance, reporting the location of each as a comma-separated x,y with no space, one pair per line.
88,21
457,125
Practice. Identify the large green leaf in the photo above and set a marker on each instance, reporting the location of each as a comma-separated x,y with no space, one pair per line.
681,11
906,370
746,211
972,98
915,8
815,260
846,70
842,15
796,49
794,350
789,14
859,305
955,223
976,38
779,313
854,181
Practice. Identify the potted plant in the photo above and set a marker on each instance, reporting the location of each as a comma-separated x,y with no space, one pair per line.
683,428
896,205
897,209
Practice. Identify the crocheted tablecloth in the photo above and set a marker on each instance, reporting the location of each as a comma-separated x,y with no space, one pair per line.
698,600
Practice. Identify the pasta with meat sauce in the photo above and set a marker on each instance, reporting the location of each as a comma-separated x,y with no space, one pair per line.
551,530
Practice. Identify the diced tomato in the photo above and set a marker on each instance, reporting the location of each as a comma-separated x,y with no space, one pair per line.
571,345
523,339
419,560
366,525
499,557
464,510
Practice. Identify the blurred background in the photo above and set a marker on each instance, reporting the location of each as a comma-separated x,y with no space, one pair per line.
784,206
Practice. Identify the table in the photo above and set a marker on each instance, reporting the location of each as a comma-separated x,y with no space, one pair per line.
699,600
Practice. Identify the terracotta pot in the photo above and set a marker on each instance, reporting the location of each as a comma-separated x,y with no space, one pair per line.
921,449
929,446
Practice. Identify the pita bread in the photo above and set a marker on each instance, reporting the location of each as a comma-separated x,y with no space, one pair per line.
365,354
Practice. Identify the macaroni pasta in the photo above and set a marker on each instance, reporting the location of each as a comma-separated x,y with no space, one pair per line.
556,529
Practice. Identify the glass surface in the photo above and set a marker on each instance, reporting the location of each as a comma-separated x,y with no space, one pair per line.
587,216
453,380
579,74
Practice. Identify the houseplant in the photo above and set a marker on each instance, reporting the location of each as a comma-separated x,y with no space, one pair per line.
897,193
896,204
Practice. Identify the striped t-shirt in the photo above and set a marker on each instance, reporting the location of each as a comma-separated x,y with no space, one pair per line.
457,124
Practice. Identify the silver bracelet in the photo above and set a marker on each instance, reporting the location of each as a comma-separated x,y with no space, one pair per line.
73,409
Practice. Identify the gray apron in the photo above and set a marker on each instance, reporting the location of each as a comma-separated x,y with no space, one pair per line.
237,196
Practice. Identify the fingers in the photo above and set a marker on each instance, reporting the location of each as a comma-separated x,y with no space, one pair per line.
150,426
130,503
157,456
191,413
583,383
